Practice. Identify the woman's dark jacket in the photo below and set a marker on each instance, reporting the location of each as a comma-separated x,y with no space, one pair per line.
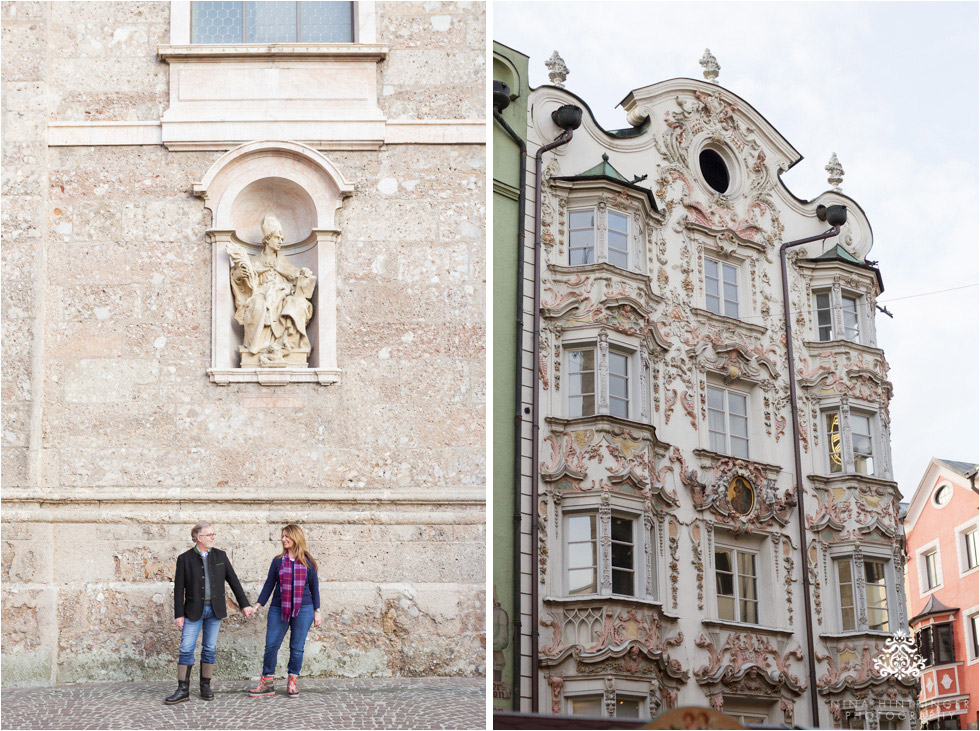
189,584
311,591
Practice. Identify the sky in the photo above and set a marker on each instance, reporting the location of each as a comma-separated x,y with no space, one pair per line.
892,88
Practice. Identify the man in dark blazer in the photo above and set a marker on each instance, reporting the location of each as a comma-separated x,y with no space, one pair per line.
199,603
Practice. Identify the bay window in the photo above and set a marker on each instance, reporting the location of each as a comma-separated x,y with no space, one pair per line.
875,574
831,327
623,556
586,226
601,380
860,458
581,382
935,643
581,237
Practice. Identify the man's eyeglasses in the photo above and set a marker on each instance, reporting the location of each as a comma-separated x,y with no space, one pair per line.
206,535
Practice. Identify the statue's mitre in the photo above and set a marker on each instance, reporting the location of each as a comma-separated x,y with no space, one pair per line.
270,224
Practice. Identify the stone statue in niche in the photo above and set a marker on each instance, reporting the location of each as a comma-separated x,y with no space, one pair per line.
272,302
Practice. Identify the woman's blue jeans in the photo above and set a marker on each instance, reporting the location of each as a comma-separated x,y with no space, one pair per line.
188,637
275,632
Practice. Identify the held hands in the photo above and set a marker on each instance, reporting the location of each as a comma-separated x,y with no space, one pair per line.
317,619
248,612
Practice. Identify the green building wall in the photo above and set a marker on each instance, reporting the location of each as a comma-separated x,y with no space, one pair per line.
510,67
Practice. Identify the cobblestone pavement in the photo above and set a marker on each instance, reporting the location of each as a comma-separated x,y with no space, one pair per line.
368,703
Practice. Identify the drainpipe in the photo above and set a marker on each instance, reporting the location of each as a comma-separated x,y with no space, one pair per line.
835,216
501,100
568,118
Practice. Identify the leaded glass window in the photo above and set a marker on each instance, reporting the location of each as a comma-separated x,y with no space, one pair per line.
271,21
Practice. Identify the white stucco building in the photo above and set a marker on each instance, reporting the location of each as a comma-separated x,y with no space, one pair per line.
663,558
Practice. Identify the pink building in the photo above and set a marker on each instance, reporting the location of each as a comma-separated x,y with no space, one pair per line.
942,591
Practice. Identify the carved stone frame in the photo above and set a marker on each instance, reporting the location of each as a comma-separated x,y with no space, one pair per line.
309,190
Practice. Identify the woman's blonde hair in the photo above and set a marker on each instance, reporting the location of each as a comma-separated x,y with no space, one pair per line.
296,535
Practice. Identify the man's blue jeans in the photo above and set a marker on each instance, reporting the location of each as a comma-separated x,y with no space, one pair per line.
188,637
275,632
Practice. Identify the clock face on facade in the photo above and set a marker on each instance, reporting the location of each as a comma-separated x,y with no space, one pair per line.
741,496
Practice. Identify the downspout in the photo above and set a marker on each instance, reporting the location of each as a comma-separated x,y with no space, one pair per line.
568,118
501,100
834,215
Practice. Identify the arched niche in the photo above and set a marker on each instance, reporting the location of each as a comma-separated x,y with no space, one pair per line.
304,190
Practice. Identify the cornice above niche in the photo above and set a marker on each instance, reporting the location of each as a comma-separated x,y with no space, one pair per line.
324,95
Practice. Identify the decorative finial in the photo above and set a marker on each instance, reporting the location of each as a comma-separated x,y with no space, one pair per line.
710,65
605,157
557,70
836,172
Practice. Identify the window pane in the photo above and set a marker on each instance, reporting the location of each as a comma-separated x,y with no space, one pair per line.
740,448
874,572
622,555
834,441
740,427
270,21
975,626
618,241
587,706
944,643
731,308
581,581
622,582
622,529
749,611
216,22
618,363
581,528
847,619
326,22
716,422
711,286
618,222
716,398
580,238
618,258
581,219
711,270
731,292
723,561
581,555
729,273
736,404
619,386
627,707
971,549
619,407
746,564
726,607
846,595
844,571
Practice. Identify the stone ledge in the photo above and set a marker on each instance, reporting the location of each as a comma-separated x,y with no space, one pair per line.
274,376
79,497
370,51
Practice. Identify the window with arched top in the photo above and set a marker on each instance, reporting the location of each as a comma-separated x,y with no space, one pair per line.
274,235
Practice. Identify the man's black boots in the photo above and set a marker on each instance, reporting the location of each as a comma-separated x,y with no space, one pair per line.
183,691
206,668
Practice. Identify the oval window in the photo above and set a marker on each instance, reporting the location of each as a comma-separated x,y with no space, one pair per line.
943,495
714,170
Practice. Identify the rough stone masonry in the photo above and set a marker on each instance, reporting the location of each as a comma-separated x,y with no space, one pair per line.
115,442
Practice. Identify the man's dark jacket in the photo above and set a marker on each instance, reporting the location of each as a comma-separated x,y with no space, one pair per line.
189,584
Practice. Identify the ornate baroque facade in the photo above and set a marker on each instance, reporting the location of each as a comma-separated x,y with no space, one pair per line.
143,388
669,558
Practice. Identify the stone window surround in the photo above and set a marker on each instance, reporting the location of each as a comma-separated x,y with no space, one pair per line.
648,535
639,369
968,615
597,687
961,532
844,406
311,234
180,22
932,547
858,554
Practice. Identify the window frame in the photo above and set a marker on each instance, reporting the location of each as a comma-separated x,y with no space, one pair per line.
634,569
629,249
932,632
614,349
595,230
596,552
971,635
932,548
736,575
888,582
182,22
964,544
851,457
721,296
727,418
836,307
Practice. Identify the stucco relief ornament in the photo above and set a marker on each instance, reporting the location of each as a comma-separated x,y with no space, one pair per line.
710,65
557,70
899,658
836,172
272,302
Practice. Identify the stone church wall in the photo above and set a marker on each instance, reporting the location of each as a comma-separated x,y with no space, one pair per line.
115,442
